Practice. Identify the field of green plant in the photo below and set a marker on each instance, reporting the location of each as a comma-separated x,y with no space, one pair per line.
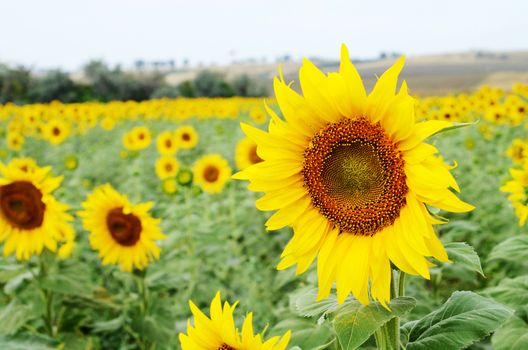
215,239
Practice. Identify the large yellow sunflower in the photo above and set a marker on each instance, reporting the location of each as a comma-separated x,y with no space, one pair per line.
211,172
30,217
123,233
351,174
246,153
218,332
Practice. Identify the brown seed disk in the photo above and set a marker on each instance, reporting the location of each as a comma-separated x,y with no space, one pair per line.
21,205
355,176
124,228
226,347
211,173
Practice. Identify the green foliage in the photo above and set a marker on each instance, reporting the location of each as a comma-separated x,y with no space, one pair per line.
354,323
465,318
464,256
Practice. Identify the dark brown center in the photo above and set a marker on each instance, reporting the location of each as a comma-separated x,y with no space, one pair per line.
253,156
56,131
211,173
124,228
355,176
186,136
141,136
168,167
21,205
226,347
168,143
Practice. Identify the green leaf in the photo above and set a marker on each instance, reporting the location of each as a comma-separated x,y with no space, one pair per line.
306,334
464,254
510,291
456,126
109,326
73,279
304,303
355,323
512,335
513,249
27,343
464,318
14,316
9,271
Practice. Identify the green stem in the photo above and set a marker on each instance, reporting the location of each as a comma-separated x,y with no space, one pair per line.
392,328
48,298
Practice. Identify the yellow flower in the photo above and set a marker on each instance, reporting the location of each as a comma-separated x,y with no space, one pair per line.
258,115
141,137
170,186
246,153
31,219
218,331
71,162
124,234
107,123
518,151
15,141
211,172
166,143
351,174
56,131
186,137
166,166
25,164
184,177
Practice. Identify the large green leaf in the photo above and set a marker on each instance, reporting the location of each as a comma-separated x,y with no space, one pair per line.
510,291
13,316
512,335
355,323
27,343
304,303
72,279
465,318
512,249
306,334
463,254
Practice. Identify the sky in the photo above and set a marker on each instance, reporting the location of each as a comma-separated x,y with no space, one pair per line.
67,33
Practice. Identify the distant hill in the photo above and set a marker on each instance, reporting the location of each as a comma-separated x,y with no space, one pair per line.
431,74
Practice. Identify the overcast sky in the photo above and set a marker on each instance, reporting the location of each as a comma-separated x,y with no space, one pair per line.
67,33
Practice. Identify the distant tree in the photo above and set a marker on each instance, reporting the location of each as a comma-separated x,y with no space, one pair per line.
186,89
14,84
55,85
212,84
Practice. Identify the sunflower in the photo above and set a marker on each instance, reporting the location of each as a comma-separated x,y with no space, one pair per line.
219,332
518,151
211,173
258,115
14,141
184,177
25,164
351,174
186,137
141,136
56,131
517,186
170,186
166,166
166,143
246,153
31,219
123,233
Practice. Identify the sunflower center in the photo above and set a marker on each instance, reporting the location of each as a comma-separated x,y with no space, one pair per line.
211,173
21,204
253,156
186,137
56,131
168,143
355,176
226,347
168,167
124,228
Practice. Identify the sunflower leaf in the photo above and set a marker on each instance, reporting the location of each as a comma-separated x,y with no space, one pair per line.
13,316
464,318
456,126
464,254
510,291
354,323
512,335
512,249
304,303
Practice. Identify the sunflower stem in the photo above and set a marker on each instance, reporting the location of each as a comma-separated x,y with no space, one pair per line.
48,298
393,326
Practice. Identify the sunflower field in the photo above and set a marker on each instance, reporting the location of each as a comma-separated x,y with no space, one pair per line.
336,218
